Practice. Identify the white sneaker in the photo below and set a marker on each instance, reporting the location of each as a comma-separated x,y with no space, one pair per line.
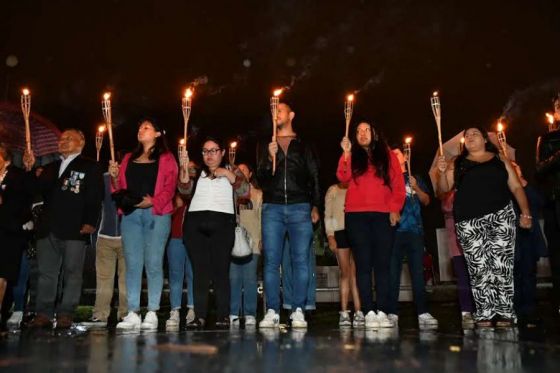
394,318
130,322
384,321
344,319
15,320
250,321
190,316
298,319
173,321
94,323
150,321
427,321
371,320
270,320
234,320
359,320
467,320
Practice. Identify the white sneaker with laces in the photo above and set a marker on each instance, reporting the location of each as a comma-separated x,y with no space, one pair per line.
150,321
384,321
173,321
270,320
371,320
234,320
344,319
190,316
130,322
298,319
359,320
394,318
250,321
15,320
427,321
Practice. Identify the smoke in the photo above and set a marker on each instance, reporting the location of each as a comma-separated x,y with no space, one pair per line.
521,97
373,81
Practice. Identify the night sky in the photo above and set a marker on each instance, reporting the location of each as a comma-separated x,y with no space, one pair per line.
486,58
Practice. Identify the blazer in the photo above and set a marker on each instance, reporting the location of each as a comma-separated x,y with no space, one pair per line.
71,200
16,197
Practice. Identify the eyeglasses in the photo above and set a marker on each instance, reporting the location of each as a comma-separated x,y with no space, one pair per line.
213,151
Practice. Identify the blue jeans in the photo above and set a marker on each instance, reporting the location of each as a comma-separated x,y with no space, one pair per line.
180,270
287,279
144,236
20,289
277,221
243,280
411,244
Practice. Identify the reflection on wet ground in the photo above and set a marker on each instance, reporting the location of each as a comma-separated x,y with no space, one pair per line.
321,348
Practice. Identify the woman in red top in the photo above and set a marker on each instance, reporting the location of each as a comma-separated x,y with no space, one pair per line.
375,196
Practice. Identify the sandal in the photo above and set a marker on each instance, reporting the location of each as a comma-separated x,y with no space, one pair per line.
504,323
484,324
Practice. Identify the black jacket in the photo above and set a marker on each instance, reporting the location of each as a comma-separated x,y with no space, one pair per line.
548,164
71,200
16,197
297,175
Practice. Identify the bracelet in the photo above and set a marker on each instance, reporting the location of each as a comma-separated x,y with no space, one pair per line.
526,216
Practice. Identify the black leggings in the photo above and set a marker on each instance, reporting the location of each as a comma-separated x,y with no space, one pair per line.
209,238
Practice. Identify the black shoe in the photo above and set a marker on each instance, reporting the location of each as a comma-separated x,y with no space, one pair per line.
222,323
196,324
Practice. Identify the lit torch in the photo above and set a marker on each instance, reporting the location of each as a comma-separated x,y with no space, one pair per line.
106,108
436,109
274,101
461,144
348,110
231,152
408,153
99,139
550,121
26,110
186,106
502,138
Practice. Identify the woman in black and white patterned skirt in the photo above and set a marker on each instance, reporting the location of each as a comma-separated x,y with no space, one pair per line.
485,222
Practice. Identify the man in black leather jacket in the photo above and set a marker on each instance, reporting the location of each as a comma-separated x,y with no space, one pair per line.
548,172
291,200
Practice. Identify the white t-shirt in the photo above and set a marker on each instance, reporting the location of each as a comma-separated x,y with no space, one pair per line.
212,195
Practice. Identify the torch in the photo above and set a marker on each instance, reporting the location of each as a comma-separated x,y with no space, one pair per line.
99,139
436,109
408,153
550,120
186,106
461,144
274,101
26,110
231,152
502,138
106,108
348,110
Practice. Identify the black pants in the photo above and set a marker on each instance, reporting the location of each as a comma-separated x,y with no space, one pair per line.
371,240
552,233
209,238
525,274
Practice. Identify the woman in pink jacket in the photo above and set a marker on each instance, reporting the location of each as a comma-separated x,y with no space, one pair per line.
148,177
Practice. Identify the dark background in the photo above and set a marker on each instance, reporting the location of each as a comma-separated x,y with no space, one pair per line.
487,58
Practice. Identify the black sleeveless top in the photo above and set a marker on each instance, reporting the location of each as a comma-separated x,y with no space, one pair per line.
481,188
141,178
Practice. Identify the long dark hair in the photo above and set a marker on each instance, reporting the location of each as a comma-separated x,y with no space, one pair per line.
377,154
160,147
221,145
460,169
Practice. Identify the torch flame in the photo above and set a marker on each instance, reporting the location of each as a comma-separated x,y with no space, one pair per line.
462,140
233,145
550,118
182,142
408,140
350,98
188,93
435,94
106,96
500,127
277,92
101,129
25,92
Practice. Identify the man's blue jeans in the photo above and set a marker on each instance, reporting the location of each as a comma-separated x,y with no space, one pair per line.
411,244
180,270
243,283
287,279
277,221
144,237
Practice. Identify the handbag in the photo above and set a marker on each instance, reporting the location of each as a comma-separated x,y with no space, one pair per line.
242,244
125,201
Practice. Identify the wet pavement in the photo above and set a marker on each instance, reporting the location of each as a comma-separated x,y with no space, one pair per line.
322,348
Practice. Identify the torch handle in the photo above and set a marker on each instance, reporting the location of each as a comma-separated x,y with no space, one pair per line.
27,134
111,144
438,122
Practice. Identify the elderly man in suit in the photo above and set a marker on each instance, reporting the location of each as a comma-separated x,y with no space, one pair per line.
72,191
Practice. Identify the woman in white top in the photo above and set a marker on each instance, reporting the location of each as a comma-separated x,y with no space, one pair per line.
210,230
338,243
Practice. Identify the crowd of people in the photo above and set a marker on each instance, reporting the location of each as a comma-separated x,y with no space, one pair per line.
148,206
